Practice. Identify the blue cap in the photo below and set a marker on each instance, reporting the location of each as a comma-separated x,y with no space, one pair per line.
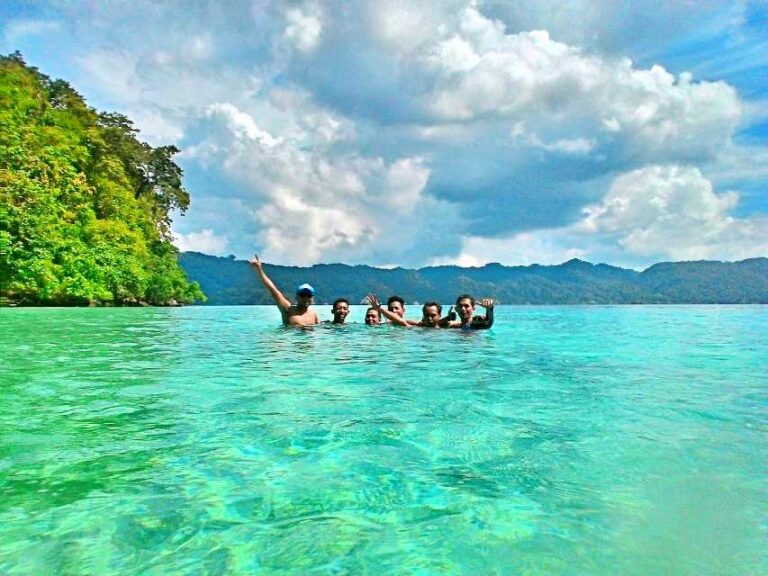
305,289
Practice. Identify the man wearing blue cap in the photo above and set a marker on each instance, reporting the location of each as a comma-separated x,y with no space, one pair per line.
297,314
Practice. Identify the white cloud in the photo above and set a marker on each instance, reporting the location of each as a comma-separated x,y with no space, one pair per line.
403,27
579,146
650,214
541,247
383,131
116,71
673,212
312,205
204,241
307,122
303,27
481,70
241,124
405,181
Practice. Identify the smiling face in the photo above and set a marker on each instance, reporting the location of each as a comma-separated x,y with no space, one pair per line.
465,308
340,311
372,316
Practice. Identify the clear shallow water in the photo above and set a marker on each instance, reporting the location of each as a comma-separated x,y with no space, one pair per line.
567,440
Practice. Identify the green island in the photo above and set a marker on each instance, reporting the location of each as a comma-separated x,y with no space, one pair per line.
84,204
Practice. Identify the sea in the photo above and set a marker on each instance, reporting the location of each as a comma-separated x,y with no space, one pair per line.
575,440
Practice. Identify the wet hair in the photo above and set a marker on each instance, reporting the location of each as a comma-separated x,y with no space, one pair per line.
339,301
378,313
465,297
429,304
396,299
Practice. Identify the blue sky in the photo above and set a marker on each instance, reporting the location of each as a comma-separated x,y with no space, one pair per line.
416,133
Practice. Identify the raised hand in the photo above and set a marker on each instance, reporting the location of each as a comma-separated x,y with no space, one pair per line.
255,262
374,301
486,302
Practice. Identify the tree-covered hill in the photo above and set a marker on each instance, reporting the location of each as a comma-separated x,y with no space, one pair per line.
84,204
231,281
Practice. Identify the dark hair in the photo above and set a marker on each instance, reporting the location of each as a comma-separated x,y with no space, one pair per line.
431,303
339,301
396,299
465,297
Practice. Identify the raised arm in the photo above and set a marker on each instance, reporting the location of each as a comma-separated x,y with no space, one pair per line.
394,318
488,304
282,302
448,320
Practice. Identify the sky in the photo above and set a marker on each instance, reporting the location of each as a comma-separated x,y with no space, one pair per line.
418,133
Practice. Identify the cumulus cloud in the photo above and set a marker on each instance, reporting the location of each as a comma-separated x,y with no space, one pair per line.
204,241
526,248
482,70
674,212
668,212
312,205
517,119
564,145
407,132
303,26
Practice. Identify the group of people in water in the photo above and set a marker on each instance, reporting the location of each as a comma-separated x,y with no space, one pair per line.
300,313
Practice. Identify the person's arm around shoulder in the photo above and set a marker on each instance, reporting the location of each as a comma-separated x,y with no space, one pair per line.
391,316
280,300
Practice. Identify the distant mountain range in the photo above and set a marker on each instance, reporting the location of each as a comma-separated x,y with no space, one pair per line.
227,281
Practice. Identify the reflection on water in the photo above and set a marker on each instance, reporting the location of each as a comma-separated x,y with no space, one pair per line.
581,440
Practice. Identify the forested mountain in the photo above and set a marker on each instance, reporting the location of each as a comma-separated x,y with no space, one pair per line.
84,204
231,281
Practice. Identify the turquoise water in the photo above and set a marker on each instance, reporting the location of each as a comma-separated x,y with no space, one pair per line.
567,440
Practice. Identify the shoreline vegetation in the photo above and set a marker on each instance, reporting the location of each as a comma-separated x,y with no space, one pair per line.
84,204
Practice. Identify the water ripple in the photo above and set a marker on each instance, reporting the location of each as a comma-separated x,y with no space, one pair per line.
581,440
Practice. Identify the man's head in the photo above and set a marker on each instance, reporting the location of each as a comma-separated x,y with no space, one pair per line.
304,294
396,305
372,316
465,307
430,314
340,310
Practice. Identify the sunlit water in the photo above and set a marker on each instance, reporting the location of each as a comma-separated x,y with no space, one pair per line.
566,440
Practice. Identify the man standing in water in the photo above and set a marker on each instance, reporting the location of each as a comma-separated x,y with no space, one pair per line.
465,307
297,314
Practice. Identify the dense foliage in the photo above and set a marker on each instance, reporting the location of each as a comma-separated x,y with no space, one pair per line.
230,281
84,205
